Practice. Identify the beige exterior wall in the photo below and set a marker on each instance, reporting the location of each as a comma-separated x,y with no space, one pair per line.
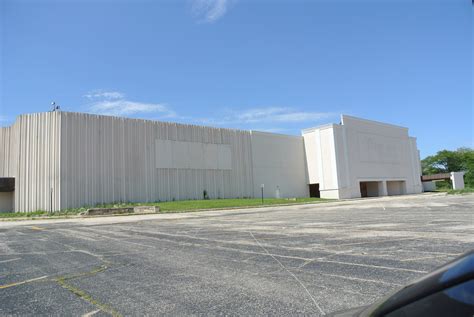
29,151
279,163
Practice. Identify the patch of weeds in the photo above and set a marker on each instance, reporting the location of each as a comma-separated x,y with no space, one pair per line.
23,214
466,190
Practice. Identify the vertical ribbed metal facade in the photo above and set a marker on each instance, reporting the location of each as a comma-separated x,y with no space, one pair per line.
111,159
7,151
29,151
65,160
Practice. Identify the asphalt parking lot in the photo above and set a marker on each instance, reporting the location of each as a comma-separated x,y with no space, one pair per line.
293,260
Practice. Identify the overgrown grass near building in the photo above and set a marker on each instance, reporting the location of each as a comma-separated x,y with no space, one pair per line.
22,214
466,190
178,206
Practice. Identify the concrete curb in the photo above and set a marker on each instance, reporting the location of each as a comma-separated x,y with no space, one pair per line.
84,215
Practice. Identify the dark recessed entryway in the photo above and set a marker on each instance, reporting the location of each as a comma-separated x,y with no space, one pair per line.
369,189
7,188
396,188
7,184
314,191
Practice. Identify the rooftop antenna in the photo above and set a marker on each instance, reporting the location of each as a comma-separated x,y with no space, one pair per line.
55,107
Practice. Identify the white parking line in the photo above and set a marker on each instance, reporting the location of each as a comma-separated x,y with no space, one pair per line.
10,260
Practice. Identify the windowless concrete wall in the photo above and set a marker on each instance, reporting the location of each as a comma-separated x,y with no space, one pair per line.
279,163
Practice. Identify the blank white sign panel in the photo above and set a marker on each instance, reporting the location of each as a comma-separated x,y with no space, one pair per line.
192,155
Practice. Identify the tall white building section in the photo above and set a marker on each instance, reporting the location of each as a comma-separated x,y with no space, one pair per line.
362,158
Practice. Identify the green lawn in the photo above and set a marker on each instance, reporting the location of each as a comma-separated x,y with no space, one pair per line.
180,206
189,205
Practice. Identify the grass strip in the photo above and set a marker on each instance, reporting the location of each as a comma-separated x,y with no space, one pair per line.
174,206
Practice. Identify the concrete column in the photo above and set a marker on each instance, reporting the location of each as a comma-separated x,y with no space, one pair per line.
458,180
383,188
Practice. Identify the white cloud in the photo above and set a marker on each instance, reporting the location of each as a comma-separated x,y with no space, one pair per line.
114,103
269,115
123,107
209,11
271,119
279,114
101,94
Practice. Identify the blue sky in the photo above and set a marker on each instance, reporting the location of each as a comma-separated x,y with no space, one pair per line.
276,66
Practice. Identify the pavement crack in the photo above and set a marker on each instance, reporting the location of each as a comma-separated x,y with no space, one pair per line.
291,273
83,295
63,282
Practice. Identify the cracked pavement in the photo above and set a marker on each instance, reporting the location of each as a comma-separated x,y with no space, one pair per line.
287,260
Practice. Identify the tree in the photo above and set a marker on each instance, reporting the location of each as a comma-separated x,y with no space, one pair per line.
451,161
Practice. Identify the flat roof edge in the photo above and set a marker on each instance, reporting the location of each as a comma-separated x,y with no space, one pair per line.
324,126
276,134
371,122
152,121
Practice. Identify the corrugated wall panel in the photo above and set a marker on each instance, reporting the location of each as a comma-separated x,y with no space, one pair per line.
6,151
110,159
29,151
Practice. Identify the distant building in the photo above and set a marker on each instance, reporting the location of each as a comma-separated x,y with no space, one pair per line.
59,160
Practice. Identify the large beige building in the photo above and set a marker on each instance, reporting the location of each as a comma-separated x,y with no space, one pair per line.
60,160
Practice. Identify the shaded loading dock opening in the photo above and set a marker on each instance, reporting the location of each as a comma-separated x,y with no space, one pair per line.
7,188
370,189
396,188
314,191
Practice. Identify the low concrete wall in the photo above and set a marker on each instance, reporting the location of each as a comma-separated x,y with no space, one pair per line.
121,210
429,186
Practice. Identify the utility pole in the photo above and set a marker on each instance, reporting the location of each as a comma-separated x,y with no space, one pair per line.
262,186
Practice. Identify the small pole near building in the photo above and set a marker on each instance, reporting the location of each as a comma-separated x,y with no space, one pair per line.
51,202
262,186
